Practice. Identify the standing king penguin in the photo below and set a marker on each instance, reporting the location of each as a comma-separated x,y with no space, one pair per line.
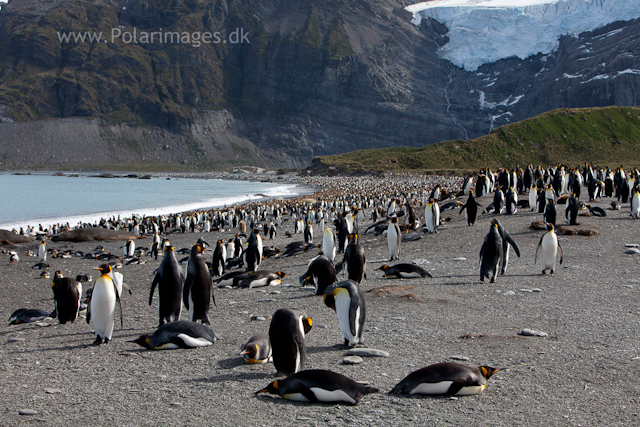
101,309
329,244
286,334
470,209
490,254
394,238
66,294
168,278
350,307
548,248
198,287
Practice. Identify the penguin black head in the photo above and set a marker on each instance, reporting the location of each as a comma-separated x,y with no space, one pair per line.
488,371
143,340
329,301
549,226
281,274
271,388
383,268
168,248
104,268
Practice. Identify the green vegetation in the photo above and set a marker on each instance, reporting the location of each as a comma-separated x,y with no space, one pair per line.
604,136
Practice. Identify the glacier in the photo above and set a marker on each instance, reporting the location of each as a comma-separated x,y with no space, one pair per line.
485,31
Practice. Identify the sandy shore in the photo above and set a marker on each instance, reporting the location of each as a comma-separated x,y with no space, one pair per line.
585,372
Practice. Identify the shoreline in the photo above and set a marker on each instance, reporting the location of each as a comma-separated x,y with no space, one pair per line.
293,189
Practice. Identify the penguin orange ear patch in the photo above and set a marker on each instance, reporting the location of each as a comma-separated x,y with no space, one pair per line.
484,371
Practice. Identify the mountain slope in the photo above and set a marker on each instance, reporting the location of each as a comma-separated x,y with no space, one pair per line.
604,136
316,78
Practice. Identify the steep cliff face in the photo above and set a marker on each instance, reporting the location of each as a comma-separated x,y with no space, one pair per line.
311,78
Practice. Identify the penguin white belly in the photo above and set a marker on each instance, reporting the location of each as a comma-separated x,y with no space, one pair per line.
549,250
103,309
332,396
167,346
432,388
471,390
191,309
259,283
299,397
343,303
194,341
532,199
409,275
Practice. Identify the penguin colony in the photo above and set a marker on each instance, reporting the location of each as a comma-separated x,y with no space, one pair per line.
236,264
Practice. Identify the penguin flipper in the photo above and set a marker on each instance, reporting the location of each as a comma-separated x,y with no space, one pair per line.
535,259
186,289
462,209
560,251
156,279
512,242
301,388
119,301
457,385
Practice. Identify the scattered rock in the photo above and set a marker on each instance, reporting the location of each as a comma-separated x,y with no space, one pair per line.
303,418
266,300
460,259
397,318
27,412
258,318
526,290
536,290
52,390
127,353
532,333
175,403
352,360
42,324
367,352
632,245
463,358
275,292
509,293
15,340
632,251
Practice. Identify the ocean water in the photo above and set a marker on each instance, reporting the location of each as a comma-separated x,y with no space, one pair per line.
45,199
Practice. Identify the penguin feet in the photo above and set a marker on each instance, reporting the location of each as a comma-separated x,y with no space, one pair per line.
106,340
482,278
98,341
544,272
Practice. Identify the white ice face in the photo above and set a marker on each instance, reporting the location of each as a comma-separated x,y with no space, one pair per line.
485,31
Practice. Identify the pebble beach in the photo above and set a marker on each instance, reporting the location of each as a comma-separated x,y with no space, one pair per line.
568,342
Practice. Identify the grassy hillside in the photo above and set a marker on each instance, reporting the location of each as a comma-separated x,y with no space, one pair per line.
604,136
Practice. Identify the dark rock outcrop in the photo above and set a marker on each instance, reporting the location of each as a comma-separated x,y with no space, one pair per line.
315,78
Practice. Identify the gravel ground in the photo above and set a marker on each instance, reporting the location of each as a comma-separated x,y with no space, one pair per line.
585,372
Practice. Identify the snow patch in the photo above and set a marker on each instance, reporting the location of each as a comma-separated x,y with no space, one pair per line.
485,31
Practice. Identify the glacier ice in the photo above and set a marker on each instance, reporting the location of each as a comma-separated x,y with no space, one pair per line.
485,31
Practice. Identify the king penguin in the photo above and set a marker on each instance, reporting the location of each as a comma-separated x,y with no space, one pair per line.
507,243
319,385
350,307
432,215
219,258
571,212
490,254
287,336
101,309
180,334
635,203
198,287
549,248
329,244
42,251
253,253
354,262
169,278
511,202
66,294
470,209
129,248
394,238
257,349
448,378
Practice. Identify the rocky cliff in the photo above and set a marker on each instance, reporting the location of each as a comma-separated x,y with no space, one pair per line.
311,78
